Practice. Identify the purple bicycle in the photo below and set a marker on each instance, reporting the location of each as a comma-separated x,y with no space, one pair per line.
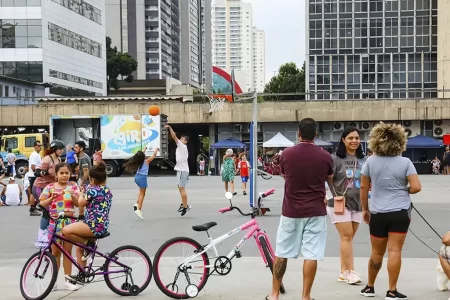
40,271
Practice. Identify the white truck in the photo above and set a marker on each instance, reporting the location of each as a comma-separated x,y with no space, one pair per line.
118,136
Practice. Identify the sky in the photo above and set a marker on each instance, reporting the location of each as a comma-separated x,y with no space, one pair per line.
283,22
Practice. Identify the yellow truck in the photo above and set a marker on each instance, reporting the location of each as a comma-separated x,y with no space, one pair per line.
22,145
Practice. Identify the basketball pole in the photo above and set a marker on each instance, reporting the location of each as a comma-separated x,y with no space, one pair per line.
254,150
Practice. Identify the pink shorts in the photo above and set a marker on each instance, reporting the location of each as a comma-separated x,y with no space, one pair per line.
348,216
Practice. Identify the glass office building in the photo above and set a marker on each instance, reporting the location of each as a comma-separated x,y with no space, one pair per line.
359,49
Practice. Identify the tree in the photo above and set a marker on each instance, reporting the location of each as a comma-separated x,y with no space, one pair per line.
289,79
118,64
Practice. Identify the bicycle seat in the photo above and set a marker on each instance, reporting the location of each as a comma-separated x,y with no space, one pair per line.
104,235
204,227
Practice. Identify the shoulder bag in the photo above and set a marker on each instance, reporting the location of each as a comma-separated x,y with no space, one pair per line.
339,201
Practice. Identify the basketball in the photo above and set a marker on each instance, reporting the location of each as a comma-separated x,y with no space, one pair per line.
153,110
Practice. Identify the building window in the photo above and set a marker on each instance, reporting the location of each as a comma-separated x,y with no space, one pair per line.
1,91
407,33
21,33
63,90
19,3
33,95
76,79
6,91
360,35
82,8
25,70
376,33
74,40
345,34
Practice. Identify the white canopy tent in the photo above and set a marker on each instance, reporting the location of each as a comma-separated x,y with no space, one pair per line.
278,141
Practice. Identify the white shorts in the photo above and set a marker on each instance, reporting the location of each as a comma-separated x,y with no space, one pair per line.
348,216
182,178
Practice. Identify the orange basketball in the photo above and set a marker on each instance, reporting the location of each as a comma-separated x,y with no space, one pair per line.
153,110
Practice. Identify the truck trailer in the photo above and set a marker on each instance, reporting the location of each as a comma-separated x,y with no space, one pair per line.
118,136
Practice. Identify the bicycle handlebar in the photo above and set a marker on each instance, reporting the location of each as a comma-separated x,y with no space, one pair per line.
46,214
225,209
268,193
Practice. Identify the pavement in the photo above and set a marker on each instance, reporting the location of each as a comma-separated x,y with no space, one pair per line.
247,279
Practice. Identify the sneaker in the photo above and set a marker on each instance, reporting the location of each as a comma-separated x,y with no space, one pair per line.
87,253
185,210
235,193
353,278
71,285
245,193
343,277
180,209
35,213
368,291
75,279
138,213
135,207
394,295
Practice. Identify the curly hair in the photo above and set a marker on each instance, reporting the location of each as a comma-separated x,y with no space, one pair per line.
387,139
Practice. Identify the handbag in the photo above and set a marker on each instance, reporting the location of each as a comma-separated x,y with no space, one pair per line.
339,201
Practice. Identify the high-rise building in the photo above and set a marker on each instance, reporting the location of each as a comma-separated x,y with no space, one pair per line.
168,38
361,49
57,42
150,32
233,38
195,24
259,59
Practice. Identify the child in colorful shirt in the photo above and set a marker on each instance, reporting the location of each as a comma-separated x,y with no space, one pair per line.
97,200
243,167
59,198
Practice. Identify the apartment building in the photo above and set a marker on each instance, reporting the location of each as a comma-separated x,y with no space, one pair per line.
259,59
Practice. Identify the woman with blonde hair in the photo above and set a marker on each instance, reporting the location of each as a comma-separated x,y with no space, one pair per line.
229,171
393,179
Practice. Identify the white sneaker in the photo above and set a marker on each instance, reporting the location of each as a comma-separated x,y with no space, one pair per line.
55,287
353,278
138,213
70,286
343,277
441,279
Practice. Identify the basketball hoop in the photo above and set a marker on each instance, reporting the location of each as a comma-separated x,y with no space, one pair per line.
216,102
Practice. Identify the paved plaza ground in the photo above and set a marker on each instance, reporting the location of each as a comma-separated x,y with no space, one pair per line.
248,278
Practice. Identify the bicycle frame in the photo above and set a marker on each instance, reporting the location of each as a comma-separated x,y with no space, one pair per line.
98,271
252,228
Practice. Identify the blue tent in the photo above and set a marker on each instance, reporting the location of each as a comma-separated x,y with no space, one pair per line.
420,141
228,143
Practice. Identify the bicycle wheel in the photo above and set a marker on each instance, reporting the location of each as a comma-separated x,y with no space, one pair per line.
269,258
168,275
42,279
120,282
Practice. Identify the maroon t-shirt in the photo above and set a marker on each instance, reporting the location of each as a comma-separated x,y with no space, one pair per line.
305,168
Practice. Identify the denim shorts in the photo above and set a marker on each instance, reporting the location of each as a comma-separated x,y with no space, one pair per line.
305,235
141,180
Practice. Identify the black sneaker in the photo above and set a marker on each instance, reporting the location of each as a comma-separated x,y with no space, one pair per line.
135,207
180,209
245,193
76,279
35,213
368,291
185,210
395,295
87,253
235,193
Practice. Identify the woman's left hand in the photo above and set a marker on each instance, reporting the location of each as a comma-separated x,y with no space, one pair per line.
366,216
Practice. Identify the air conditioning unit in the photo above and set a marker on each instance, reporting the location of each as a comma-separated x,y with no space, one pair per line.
441,127
338,126
353,124
365,126
412,128
237,128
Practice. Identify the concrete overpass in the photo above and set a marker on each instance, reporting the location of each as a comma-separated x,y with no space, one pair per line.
194,112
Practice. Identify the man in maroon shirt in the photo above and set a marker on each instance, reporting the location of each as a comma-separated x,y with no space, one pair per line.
303,228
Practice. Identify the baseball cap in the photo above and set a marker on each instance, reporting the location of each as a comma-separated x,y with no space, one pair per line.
11,179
